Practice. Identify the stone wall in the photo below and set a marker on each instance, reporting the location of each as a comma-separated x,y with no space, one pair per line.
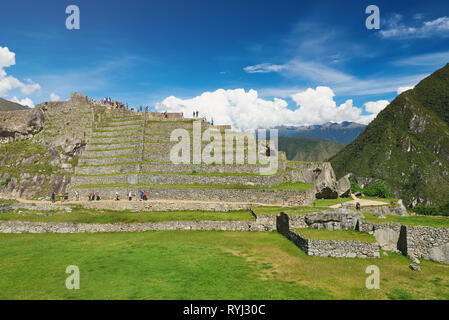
180,179
70,227
426,242
387,234
327,248
272,197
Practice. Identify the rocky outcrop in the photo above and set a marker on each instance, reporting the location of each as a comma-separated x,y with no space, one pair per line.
338,219
344,187
399,210
20,124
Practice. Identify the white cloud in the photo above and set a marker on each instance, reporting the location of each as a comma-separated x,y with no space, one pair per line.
245,110
24,102
54,97
403,89
429,59
297,68
438,27
9,83
264,68
376,106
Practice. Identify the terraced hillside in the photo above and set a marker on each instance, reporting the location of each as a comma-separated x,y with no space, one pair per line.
128,152
34,164
79,145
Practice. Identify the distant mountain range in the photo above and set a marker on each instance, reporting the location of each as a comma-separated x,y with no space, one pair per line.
6,105
305,149
407,145
344,132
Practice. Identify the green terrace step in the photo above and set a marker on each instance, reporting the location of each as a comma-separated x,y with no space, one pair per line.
109,161
115,142
120,125
111,152
115,146
168,167
179,179
122,119
118,132
119,137
119,129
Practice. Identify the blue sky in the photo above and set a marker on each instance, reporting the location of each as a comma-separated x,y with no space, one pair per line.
142,52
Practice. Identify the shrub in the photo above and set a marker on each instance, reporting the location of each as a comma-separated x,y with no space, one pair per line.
377,190
442,210
355,188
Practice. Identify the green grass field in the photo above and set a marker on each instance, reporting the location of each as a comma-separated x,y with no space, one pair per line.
81,215
427,221
200,265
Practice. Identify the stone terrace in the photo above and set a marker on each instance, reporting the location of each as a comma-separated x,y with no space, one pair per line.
130,151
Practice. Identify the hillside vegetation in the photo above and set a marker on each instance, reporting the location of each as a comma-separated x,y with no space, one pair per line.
303,149
407,145
6,105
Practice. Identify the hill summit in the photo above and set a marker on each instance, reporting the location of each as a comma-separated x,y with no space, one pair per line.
407,145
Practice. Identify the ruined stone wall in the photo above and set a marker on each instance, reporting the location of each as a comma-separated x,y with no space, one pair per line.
70,227
387,234
180,179
426,242
274,197
326,248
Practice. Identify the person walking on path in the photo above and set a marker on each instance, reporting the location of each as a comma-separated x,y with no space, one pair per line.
77,195
53,197
130,196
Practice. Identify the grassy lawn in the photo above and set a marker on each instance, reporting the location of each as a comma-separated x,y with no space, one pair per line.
330,202
192,173
343,235
428,221
289,210
200,265
81,215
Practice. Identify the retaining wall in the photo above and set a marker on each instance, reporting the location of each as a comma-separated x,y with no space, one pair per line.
326,248
273,197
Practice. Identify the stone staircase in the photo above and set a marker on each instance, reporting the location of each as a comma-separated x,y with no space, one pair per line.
129,151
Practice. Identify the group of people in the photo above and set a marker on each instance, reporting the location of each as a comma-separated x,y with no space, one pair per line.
94,196
106,101
143,195
64,196
196,114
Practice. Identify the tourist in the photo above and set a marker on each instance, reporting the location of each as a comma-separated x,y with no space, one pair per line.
194,114
53,197
117,197
66,196
357,206
98,196
145,196
141,195
77,195
130,196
